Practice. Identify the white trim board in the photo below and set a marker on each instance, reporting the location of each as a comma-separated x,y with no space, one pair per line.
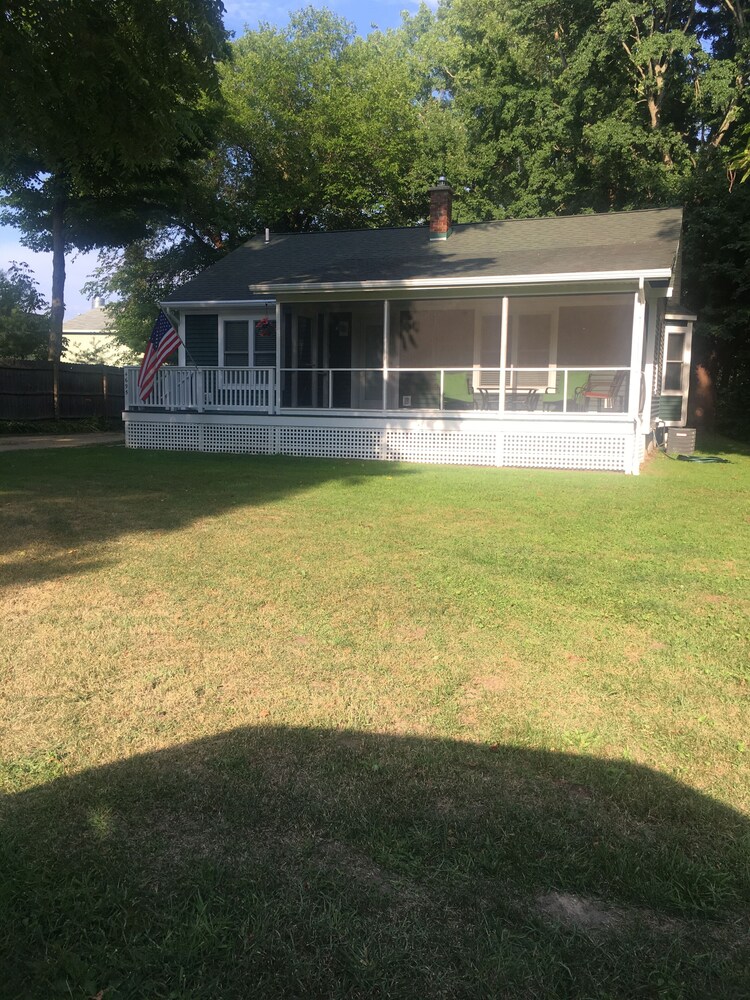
487,281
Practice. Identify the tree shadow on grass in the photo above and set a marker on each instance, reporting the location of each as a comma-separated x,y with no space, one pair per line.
280,862
57,508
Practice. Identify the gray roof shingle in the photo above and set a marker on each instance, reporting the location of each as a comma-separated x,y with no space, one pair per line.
616,241
93,321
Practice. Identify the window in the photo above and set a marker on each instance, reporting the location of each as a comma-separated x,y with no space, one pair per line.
673,362
264,343
249,343
202,339
675,370
236,344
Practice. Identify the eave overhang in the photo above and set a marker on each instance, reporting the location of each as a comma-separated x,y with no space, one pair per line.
495,282
217,303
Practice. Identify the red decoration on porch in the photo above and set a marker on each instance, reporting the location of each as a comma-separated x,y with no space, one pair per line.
266,326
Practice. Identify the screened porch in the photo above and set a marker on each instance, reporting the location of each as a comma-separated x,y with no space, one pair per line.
564,354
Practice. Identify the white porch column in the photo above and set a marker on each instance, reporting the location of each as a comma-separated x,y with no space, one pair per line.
650,355
503,353
181,348
276,403
634,382
200,389
386,359
636,352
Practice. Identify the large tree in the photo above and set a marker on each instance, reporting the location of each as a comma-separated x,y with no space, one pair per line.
103,101
322,130
575,105
333,131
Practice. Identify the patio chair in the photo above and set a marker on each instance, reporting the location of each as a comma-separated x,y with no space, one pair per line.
477,394
522,399
603,387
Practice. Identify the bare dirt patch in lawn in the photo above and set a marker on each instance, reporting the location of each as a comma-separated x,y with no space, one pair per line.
578,912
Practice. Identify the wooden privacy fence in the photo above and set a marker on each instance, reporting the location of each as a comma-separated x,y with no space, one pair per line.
27,390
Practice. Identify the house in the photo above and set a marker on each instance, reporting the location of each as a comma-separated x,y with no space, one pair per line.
553,342
88,339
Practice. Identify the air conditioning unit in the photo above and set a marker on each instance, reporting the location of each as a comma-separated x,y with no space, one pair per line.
680,440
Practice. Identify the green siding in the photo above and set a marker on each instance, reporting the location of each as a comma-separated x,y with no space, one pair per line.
202,339
670,407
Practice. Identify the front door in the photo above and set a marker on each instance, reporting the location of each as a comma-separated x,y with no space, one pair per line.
340,356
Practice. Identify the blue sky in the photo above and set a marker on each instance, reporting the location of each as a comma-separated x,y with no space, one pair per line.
386,14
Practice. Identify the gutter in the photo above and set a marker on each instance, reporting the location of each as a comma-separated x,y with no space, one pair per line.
219,303
481,282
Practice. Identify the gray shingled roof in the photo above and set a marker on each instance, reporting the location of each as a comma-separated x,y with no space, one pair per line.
93,321
617,241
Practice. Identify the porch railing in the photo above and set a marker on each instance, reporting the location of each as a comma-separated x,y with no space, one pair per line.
241,390
579,390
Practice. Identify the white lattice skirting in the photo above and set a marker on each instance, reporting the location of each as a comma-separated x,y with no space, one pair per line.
611,448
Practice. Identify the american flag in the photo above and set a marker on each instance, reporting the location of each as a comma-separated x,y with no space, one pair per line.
161,343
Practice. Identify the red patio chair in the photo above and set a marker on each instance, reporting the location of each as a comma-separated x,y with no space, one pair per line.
604,387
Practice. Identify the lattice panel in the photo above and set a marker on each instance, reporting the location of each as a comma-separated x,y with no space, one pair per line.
334,442
440,447
552,451
239,439
170,437
565,451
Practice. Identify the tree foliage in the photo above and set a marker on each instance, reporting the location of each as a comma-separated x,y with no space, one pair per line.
332,131
23,315
103,100
321,130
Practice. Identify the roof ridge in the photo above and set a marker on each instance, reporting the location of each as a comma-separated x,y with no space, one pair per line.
485,222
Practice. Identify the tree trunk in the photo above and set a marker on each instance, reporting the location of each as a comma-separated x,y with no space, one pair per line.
57,311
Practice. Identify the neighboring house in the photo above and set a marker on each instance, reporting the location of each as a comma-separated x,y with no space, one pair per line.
553,342
88,340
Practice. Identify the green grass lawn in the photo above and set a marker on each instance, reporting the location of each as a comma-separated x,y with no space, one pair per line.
280,728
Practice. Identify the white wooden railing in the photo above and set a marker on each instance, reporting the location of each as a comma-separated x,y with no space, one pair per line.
240,390
581,389
584,389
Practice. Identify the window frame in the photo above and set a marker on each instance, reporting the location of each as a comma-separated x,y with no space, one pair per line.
250,318
685,330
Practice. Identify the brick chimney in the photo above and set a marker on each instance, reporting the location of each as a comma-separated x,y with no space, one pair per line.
441,205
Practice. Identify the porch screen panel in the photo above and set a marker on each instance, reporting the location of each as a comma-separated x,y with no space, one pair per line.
531,348
595,330
433,334
202,340
332,355
489,354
